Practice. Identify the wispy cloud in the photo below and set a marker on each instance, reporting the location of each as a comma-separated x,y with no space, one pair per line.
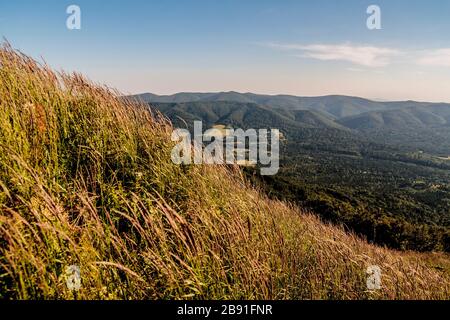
438,58
355,70
365,55
368,56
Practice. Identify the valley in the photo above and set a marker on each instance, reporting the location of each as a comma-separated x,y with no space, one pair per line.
380,169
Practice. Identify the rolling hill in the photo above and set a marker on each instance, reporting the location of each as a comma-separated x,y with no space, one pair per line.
244,115
405,118
334,161
334,106
408,124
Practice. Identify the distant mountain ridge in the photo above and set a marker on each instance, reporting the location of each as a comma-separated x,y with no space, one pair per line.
333,106
286,111
343,156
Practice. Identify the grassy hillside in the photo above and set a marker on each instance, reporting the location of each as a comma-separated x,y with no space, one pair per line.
86,179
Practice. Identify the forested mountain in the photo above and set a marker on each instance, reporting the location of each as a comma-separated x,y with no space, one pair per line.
415,125
379,168
401,118
335,106
244,115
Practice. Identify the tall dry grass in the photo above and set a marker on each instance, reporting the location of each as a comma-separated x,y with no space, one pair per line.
86,179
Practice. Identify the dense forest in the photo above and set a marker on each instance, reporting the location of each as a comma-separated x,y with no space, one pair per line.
380,169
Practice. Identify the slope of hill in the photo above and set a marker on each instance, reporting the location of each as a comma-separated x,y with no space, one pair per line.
401,119
86,179
404,150
243,115
419,128
410,124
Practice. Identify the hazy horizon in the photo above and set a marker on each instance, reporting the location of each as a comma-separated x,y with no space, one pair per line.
283,94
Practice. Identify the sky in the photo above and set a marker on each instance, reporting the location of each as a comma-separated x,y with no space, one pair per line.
299,47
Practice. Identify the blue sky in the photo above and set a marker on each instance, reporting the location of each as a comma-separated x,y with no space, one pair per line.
265,46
